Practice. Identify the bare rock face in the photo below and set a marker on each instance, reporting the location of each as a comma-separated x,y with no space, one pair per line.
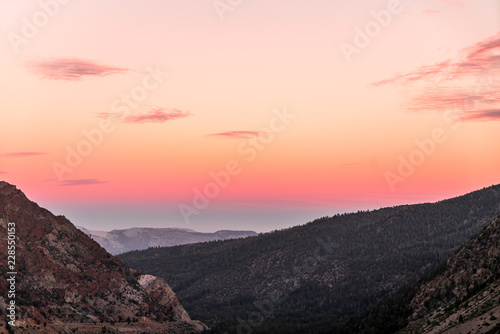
161,293
66,279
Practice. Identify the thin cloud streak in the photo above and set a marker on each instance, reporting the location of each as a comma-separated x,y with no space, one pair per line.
80,182
483,115
424,72
72,69
21,154
157,115
236,134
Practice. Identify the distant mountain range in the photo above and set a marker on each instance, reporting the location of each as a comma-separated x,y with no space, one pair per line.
121,241
315,278
58,280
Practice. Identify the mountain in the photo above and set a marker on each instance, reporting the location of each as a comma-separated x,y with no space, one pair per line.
315,277
121,241
58,280
461,296
465,296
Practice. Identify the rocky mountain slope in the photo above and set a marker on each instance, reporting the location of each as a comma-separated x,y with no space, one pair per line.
465,296
126,240
313,278
64,281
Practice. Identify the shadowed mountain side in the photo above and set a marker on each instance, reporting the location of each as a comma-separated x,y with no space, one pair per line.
461,296
465,296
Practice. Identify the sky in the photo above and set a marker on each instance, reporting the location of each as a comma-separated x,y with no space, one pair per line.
246,114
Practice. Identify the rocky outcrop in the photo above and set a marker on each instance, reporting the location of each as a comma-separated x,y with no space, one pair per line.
66,279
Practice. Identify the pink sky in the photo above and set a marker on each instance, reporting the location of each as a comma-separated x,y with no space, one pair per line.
154,98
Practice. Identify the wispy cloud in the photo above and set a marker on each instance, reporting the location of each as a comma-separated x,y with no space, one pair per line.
80,182
468,85
445,98
71,69
2,172
477,59
154,115
21,154
236,134
157,115
421,73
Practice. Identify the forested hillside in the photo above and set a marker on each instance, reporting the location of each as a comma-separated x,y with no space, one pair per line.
461,296
312,278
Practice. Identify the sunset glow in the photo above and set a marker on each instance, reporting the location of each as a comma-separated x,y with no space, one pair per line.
120,114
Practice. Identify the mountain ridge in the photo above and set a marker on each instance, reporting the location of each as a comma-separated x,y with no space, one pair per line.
66,281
